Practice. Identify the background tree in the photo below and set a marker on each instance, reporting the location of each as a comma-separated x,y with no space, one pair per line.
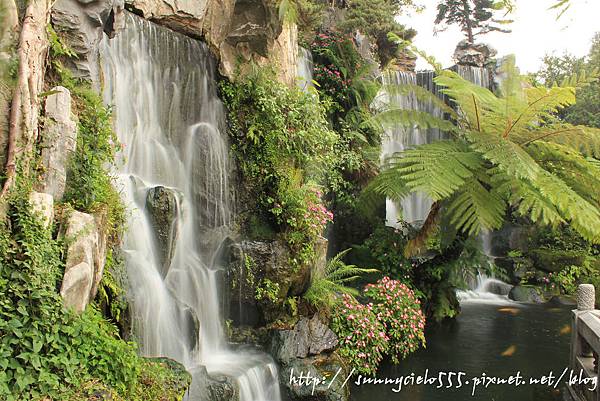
555,70
475,17
376,19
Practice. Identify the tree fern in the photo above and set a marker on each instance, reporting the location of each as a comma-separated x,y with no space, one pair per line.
509,149
326,285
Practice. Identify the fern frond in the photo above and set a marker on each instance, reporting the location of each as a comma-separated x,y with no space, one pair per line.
507,155
393,116
327,284
439,168
474,208
421,94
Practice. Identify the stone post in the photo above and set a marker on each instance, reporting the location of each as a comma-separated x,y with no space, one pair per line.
586,297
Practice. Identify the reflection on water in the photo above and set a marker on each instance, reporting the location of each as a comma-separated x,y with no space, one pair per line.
490,339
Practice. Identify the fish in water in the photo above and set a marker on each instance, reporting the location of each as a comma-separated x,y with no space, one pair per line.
509,351
566,329
512,311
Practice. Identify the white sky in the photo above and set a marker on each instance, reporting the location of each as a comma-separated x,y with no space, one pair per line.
535,32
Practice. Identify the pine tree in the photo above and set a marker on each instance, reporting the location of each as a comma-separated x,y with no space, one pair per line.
475,17
507,150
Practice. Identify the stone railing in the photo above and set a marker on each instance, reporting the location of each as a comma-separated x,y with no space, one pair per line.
585,343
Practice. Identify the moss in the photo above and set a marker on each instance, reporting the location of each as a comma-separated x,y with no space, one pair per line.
556,260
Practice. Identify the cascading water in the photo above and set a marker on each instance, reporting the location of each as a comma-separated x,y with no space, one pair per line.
304,69
415,207
171,122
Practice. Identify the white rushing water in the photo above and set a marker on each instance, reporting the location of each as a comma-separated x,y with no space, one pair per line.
172,124
304,69
486,289
414,208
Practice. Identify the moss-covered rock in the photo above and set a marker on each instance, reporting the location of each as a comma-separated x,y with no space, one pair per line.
555,260
528,294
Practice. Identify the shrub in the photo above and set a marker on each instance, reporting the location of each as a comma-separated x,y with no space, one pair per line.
44,348
283,144
326,286
392,323
397,306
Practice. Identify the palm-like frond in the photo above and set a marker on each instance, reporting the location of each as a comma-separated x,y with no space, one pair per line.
507,149
326,285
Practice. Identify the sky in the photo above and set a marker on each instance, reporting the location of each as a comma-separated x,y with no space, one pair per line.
535,32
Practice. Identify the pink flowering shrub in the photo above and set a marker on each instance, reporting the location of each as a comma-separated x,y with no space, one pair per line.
316,215
400,310
391,324
362,335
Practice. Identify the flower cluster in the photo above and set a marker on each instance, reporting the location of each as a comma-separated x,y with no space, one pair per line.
391,324
316,215
399,308
363,337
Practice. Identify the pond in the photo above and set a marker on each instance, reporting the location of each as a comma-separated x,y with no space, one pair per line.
497,339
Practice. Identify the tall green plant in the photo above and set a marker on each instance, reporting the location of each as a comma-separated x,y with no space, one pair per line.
506,150
328,284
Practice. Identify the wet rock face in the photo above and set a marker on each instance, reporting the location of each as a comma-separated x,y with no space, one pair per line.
82,23
250,29
215,387
308,337
251,263
162,207
59,141
473,54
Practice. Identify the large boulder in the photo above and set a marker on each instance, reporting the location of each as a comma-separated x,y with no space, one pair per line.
212,387
82,23
308,337
85,235
527,294
473,54
43,205
163,210
59,141
251,263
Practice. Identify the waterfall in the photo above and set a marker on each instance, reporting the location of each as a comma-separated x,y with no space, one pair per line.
304,69
172,125
487,290
415,207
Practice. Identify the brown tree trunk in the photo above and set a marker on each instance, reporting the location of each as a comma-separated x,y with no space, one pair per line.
23,127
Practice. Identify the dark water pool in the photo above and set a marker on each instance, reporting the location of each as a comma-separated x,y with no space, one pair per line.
498,340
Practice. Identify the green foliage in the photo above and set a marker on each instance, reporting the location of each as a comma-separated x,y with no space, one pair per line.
89,184
267,290
474,17
376,19
326,286
507,150
283,145
45,349
392,323
555,70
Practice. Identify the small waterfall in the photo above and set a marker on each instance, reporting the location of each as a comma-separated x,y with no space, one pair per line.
304,69
486,289
415,207
172,125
